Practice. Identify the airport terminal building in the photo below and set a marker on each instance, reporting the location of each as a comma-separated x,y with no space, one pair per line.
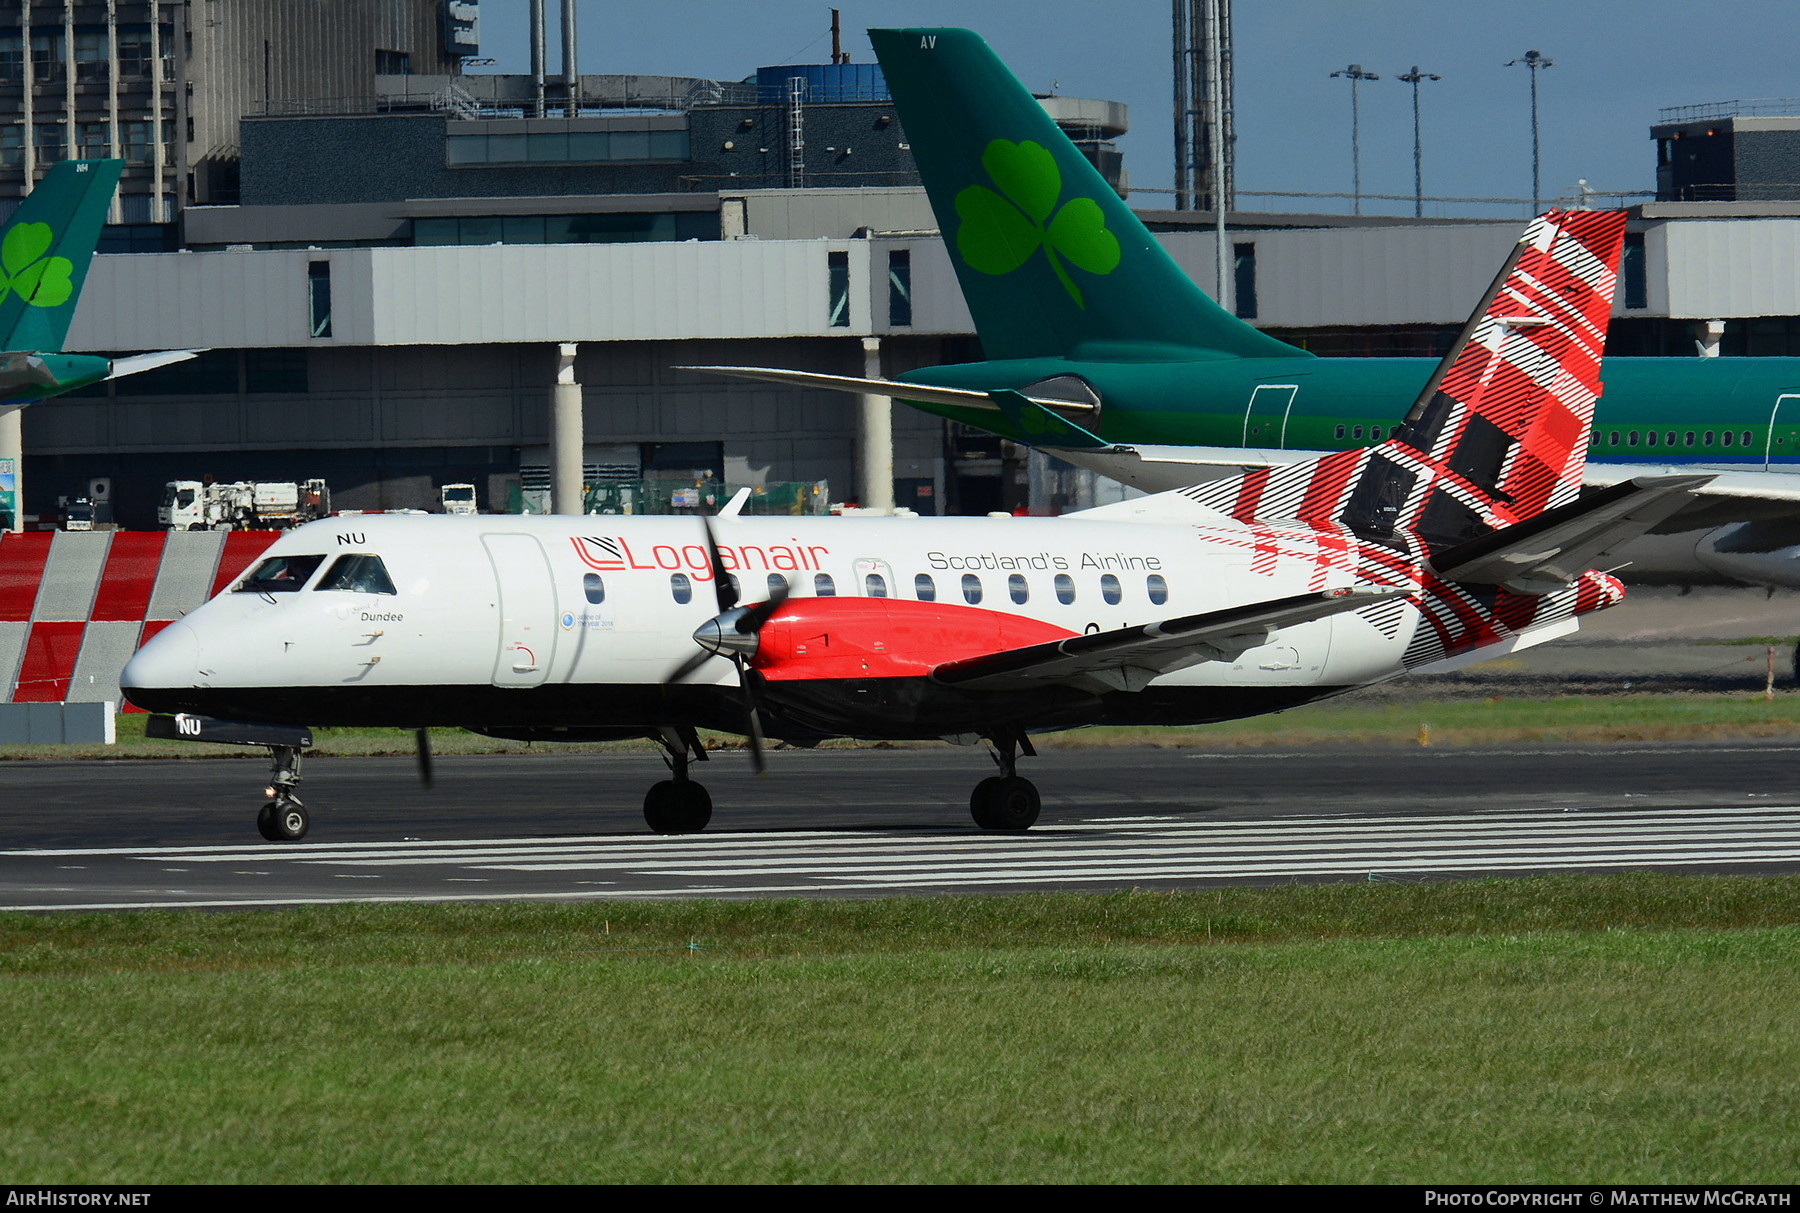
384,267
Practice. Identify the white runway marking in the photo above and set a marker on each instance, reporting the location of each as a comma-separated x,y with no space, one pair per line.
1117,852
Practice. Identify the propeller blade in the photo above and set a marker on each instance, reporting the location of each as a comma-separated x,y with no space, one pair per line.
752,620
700,658
755,733
423,737
723,586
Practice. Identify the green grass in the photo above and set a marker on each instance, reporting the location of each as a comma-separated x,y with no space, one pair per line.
1626,1029
1495,720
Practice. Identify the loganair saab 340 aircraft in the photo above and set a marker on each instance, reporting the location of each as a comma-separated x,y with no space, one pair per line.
44,257
1101,350
1460,537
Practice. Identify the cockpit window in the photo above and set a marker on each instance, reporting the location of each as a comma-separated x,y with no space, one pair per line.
280,575
358,574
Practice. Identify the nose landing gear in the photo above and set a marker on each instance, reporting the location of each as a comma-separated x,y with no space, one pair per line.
283,818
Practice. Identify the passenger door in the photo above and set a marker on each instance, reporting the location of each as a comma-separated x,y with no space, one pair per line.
1266,416
1791,402
527,608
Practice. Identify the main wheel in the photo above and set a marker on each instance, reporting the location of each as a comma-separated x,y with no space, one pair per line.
265,822
1005,802
677,807
288,821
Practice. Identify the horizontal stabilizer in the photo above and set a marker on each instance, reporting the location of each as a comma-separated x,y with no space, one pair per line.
134,363
968,398
1043,427
1551,551
1128,658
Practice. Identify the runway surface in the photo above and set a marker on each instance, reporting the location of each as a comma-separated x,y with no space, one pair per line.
138,834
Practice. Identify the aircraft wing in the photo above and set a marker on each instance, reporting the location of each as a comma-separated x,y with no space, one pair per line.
1552,550
1732,495
1724,481
967,398
1128,658
133,363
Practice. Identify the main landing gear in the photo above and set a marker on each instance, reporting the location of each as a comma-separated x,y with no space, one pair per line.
678,805
1007,801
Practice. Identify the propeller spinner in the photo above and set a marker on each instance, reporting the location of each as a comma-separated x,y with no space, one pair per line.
733,634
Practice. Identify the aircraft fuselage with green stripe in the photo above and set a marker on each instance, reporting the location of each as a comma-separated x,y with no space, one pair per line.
1655,410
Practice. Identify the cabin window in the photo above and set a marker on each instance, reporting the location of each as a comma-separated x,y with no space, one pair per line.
924,588
971,588
1746,437
824,586
1726,438
1357,432
1669,438
1687,439
1650,438
681,588
358,574
1158,587
1375,432
1109,589
875,585
1339,432
1015,585
280,575
1065,588
777,584
1706,439
593,588
1631,438
1613,440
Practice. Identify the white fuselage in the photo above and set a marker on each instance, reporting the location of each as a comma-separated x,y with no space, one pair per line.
538,620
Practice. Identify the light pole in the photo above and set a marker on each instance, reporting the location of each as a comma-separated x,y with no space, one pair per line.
1413,78
1356,74
1533,60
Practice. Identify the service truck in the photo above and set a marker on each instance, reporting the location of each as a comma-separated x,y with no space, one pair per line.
196,505
457,498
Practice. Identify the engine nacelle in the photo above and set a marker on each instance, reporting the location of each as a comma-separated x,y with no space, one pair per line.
859,638
1759,553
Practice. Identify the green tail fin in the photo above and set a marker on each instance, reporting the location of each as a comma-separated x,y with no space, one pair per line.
45,251
1051,261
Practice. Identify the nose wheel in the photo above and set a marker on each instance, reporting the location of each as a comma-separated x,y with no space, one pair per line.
283,820
1007,801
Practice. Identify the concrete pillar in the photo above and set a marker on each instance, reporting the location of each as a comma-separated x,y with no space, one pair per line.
567,441
12,446
1707,335
874,439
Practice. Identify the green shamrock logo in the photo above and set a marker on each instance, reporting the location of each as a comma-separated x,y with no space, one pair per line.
40,281
1001,230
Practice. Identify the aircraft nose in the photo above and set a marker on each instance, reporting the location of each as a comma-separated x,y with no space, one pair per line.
170,660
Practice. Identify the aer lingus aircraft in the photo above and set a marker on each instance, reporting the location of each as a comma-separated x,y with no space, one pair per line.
44,256
1461,536
1101,350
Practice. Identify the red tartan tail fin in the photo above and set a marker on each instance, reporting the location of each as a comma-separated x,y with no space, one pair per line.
1500,432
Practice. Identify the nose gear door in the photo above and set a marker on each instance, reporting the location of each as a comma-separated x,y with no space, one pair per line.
527,609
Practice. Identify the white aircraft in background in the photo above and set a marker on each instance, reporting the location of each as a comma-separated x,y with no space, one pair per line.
1461,537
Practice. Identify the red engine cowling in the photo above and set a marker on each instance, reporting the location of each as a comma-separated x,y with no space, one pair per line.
857,638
